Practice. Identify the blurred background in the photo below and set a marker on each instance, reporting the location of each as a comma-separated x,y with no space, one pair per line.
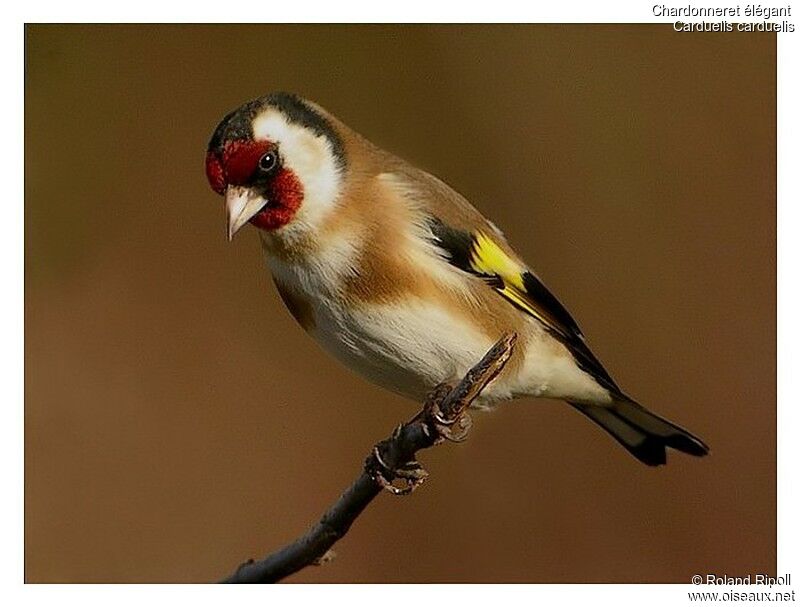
179,421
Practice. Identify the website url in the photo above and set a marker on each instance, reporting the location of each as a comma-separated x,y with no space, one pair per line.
735,596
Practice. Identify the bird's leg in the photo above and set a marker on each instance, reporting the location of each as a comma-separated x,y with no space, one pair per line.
411,473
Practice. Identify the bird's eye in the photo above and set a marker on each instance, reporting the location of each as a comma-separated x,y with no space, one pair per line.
268,162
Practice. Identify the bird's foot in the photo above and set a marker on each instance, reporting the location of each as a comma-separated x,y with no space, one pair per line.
455,429
409,475
438,425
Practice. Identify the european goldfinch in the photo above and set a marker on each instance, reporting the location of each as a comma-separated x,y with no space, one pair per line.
399,277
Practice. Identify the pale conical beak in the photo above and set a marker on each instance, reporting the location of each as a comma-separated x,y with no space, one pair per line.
241,204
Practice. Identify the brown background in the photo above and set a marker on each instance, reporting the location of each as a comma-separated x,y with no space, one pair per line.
178,421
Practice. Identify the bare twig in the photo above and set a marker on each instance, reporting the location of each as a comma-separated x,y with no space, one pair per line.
443,417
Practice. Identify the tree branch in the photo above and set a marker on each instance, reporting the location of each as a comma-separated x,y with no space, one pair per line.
443,417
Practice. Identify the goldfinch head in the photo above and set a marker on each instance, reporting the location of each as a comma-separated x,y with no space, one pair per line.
279,162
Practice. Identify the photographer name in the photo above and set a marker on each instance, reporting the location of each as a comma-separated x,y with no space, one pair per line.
758,579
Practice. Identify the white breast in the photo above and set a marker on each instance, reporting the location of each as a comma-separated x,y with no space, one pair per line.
407,348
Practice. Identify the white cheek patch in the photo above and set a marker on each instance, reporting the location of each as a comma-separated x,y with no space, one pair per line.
310,157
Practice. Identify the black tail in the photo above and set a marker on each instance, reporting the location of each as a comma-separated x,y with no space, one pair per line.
644,434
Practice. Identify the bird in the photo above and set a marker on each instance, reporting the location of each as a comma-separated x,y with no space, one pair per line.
399,277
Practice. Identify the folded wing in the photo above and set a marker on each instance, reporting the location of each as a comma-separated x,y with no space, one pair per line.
483,255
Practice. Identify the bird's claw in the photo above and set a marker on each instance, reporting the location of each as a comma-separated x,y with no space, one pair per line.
325,558
454,430
411,474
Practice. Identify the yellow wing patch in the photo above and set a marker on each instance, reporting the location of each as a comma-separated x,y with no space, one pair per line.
488,258
518,298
